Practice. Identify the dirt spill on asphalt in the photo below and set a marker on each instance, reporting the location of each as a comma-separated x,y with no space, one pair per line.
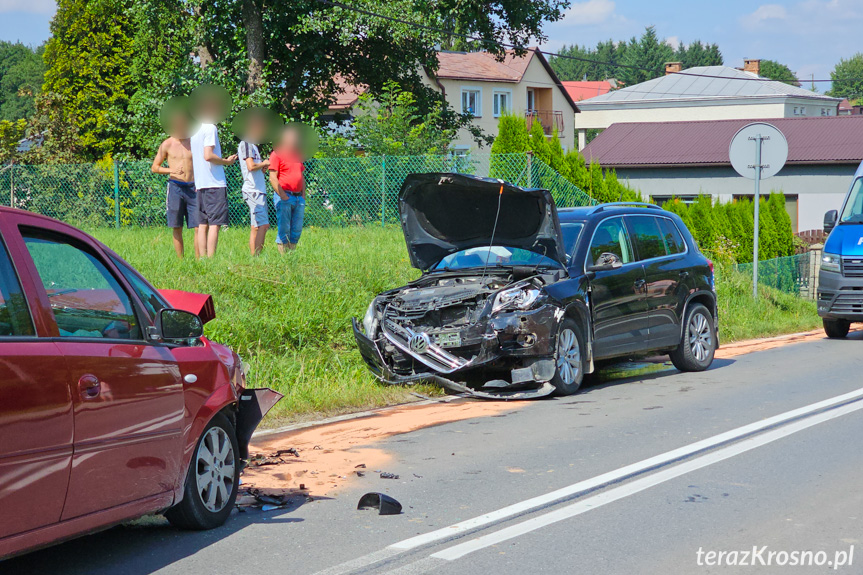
331,455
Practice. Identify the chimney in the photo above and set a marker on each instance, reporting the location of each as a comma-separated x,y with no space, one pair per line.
673,67
753,66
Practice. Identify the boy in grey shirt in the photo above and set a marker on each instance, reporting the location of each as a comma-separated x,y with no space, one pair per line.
254,192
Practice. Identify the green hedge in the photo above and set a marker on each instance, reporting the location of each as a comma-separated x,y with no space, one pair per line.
726,231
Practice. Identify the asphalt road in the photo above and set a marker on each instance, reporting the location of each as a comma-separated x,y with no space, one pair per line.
642,475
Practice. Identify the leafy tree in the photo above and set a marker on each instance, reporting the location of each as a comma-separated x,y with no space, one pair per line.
21,76
87,67
698,54
11,132
583,63
779,72
645,58
393,125
847,78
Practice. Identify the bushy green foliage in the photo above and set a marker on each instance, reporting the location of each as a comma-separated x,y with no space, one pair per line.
847,78
726,231
10,133
21,74
514,137
779,72
87,66
610,58
511,136
393,125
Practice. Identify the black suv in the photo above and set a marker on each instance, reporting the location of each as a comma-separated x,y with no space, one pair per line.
519,299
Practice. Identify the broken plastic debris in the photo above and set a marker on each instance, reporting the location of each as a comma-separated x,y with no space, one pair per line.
388,475
385,504
270,507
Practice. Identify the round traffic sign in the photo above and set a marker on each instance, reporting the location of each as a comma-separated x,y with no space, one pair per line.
743,150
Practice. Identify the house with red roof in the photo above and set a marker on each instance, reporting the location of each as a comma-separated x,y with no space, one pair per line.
685,159
584,90
480,84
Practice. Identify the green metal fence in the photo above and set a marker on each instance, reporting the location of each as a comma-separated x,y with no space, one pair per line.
340,191
791,274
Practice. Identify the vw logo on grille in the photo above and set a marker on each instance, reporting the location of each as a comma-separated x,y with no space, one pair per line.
419,343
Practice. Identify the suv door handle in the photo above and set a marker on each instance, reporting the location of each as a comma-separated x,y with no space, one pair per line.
640,283
684,275
89,386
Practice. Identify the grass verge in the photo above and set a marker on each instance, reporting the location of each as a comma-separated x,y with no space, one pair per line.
289,316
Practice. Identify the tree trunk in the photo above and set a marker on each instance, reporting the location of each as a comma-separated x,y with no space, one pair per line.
205,55
254,25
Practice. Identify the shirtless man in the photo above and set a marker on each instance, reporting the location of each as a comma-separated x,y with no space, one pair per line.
182,202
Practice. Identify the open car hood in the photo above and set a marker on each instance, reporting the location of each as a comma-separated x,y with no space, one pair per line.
445,213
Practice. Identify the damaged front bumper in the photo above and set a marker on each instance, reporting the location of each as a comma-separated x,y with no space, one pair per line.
524,339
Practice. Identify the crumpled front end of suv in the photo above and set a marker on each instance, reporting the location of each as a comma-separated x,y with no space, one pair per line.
488,335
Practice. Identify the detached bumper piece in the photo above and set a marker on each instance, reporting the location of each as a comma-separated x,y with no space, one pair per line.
442,364
253,406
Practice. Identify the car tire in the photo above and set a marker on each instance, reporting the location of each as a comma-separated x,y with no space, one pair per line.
698,343
568,359
836,328
212,480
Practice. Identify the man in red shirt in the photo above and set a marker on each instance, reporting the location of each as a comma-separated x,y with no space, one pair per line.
286,177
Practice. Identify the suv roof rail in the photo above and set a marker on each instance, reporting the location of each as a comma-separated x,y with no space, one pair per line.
603,207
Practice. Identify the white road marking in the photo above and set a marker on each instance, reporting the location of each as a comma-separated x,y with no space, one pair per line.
639,485
583,486
618,474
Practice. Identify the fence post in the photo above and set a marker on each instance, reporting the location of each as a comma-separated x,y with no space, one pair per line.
12,184
116,195
383,189
529,169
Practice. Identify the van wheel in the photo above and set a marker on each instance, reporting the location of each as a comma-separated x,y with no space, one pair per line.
569,366
836,328
698,344
212,480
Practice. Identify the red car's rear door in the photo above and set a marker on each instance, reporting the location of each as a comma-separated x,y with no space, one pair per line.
35,413
126,392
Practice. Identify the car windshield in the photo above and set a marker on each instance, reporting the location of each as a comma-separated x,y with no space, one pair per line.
853,211
495,256
571,231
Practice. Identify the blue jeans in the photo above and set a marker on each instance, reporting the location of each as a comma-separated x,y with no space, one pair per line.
289,218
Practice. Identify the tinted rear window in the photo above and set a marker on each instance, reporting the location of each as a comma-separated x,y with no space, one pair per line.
673,239
648,237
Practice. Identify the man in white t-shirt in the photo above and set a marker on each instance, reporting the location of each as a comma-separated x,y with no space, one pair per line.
210,105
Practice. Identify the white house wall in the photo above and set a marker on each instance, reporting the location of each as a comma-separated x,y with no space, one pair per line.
819,188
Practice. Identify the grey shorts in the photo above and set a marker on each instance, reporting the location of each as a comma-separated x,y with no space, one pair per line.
257,202
182,204
213,206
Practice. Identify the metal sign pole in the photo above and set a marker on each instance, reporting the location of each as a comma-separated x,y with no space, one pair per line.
769,159
758,139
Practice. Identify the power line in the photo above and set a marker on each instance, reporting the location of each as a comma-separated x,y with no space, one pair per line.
336,4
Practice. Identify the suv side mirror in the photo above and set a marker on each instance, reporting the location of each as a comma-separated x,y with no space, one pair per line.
605,262
176,324
830,219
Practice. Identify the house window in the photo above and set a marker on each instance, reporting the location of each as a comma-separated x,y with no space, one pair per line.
531,99
796,111
471,102
502,103
802,110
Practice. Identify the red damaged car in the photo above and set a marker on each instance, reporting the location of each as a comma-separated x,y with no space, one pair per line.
112,403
